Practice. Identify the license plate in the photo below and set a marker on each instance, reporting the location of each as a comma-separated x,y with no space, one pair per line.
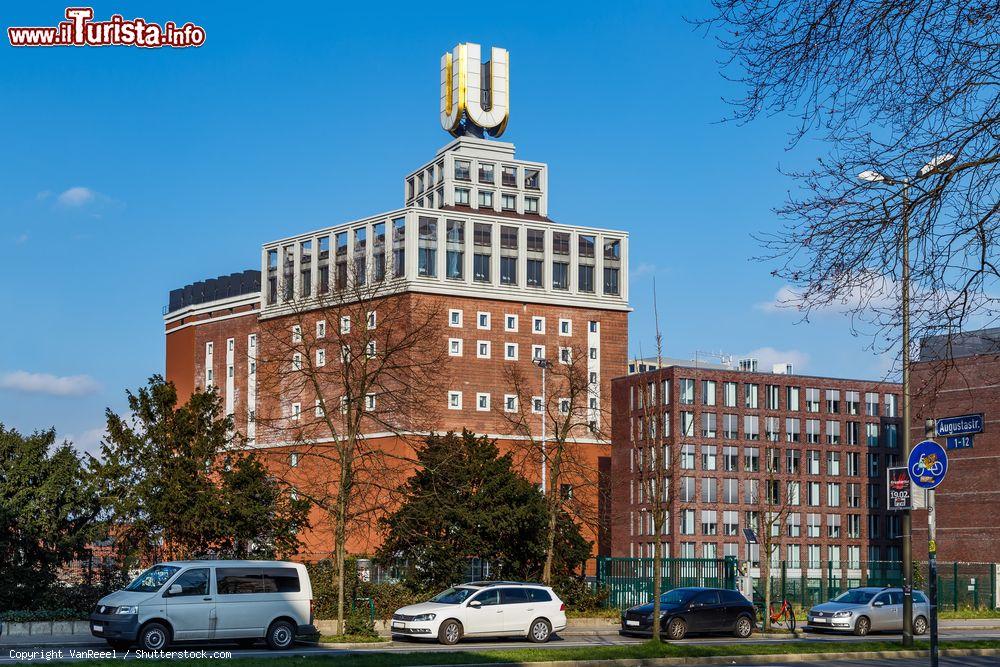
98,628
819,620
631,622
399,625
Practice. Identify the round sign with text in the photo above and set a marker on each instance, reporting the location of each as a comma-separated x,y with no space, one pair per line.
928,464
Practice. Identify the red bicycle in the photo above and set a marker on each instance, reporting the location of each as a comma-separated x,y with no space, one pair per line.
783,618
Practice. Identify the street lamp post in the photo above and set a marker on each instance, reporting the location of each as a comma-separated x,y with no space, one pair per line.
543,363
939,163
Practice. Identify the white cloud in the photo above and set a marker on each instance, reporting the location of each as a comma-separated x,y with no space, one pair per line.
878,292
768,357
75,197
88,441
642,270
45,383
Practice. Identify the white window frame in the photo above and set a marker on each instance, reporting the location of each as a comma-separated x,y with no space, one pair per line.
564,403
454,394
535,321
510,351
320,328
319,409
568,355
369,402
296,411
451,317
320,358
297,361
479,320
479,346
507,398
479,397
568,325
296,333
345,324
507,326
371,319
535,349
536,405
451,343
371,349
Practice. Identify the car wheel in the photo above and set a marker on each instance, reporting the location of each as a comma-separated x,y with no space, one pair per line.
862,626
919,625
280,636
540,631
676,629
154,637
119,644
744,627
450,632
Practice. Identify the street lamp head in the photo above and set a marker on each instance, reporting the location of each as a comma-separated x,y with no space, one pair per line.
541,362
873,176
937,165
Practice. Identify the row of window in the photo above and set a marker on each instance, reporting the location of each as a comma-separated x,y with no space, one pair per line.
734,549
707,523
837,463
510,402
658,393
484,321
778,492
875,434
511,351
485,199
486,174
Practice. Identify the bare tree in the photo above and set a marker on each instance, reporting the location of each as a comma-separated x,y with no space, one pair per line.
570,407
771,498
346,377
657,465
889,86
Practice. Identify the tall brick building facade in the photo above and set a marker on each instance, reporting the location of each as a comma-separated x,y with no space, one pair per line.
828,442
954,376
474,245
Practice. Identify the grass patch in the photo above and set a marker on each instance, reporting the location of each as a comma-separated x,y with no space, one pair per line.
633,651
351,639
962,614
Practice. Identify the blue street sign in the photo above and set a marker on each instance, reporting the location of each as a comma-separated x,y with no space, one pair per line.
928,464
959,442
961,425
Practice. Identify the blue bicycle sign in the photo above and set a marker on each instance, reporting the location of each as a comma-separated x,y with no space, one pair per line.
928,464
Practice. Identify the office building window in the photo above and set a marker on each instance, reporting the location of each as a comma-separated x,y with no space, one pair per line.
508,202
486,173
462,196
427,250
455,259
508,176
462,171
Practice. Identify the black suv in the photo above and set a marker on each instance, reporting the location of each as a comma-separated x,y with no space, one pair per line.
687,610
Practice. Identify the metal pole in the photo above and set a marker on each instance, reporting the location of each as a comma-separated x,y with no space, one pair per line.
907,523
544,407
932,573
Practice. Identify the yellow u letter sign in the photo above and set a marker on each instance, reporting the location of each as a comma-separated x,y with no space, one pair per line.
475,91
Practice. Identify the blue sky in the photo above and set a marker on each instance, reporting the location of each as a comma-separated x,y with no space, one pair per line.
131,172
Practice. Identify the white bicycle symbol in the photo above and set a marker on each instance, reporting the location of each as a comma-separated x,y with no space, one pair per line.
920,467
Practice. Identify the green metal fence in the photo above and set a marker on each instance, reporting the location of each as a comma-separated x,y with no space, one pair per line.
960,585
629,581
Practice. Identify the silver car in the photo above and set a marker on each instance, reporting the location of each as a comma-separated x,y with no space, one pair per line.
864,610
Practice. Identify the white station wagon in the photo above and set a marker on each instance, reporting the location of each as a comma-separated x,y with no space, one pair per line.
209,600
484,609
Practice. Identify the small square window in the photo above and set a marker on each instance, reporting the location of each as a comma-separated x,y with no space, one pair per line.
297,361
483,320
454,400
371,349
593,353
293,460
209,348
454,347
321,329
231,343
510,402
538,325
369,402
565,327
510,323
345,324
482,402
372,319
296,334
510,351
296,410
536,405
564,406
319,409
593,326
321,357
253,340
565,355
455,317
483,349
537,351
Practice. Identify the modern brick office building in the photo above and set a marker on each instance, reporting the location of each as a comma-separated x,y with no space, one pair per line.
827,440
473,243
959,375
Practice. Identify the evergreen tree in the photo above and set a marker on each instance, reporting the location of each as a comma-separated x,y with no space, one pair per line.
48,511
466,501
178,483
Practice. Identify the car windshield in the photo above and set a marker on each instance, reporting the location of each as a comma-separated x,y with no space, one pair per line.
152,579
453,596
856,596
677,596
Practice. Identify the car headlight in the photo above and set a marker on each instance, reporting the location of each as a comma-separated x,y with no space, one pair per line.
132,609
424,617
843,614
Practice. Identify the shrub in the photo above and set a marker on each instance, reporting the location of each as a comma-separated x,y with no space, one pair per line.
28,616
580,596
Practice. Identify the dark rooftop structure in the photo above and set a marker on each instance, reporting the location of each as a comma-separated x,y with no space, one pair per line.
963,344
213,289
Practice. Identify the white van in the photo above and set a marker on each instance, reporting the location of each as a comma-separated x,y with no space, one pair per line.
209,600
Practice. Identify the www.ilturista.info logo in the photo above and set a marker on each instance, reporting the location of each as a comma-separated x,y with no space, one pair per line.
79,29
